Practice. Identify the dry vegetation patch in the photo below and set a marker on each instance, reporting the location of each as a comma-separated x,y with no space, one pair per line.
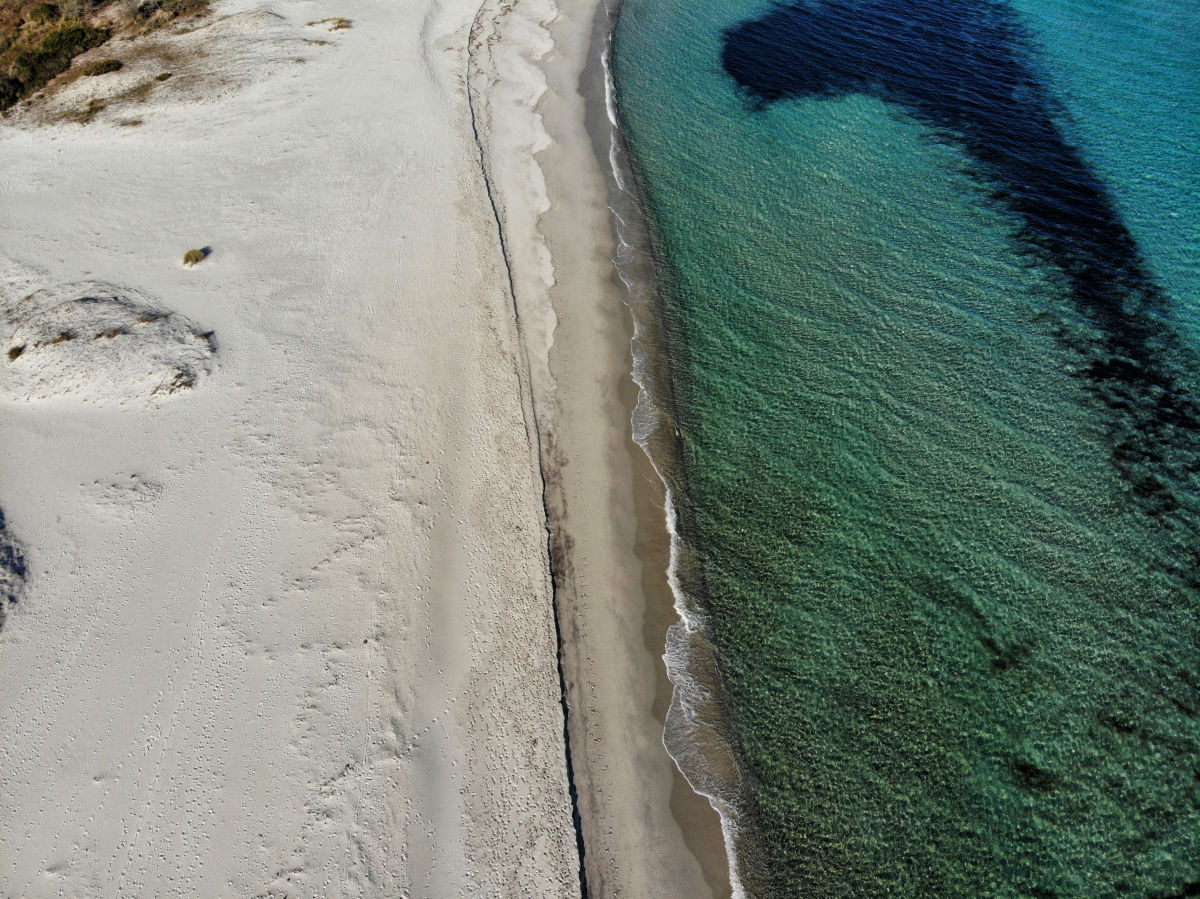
102,67
334,23
38,40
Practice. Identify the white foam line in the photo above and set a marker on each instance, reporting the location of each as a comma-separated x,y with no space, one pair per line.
647,417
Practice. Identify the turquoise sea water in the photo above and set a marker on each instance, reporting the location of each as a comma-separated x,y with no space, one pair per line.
939,516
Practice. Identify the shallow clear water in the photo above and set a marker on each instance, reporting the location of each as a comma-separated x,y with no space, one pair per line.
937,482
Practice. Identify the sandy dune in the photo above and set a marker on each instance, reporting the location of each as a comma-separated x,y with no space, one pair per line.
291,633
99,343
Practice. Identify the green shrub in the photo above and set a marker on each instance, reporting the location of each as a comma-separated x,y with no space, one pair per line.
102,67
162,76
36,67
11,90
71,40
191,257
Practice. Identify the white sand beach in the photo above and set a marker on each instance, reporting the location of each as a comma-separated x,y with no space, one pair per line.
287,622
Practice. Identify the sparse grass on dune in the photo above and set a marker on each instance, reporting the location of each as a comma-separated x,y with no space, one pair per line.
38,40
83,116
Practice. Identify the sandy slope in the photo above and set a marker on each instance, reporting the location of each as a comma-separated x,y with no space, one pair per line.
287,631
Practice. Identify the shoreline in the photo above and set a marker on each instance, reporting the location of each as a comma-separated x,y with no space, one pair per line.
696,808
696,729
644,830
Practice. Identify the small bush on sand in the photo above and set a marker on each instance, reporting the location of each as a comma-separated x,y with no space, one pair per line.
102,67
162,76
191,257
